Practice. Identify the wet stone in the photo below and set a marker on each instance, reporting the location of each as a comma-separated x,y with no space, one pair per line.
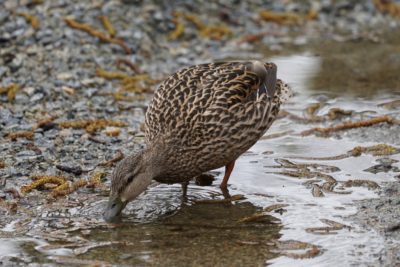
386,165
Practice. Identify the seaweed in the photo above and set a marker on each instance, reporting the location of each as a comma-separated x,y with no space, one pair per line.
128,84
286,18
91,126
335,113
96,178
349,125
101,36
363,183
215,32
135,68
110,75
179,30
77,124
68,188
63,186
121,96
312,109
252,38
20,134
108,25
131,83
117,157
11,90
42,180
388,7
376,150
193,19
33,20
101,124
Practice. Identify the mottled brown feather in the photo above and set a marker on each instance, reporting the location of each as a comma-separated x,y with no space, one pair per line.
205,116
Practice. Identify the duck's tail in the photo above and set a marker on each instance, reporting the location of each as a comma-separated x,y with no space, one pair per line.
283,92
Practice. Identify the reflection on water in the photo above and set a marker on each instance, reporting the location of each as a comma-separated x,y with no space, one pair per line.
198,235
364,69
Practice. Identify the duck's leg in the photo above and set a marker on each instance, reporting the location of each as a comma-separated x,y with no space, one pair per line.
184,189
224,183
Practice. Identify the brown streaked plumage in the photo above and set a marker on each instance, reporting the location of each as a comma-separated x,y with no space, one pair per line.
201,118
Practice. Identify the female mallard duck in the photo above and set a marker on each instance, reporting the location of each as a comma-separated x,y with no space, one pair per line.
201,118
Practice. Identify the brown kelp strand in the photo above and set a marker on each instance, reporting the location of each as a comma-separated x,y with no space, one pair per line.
11,90
40,181
117,157
91,126
179,30
388,7
376,150
288,18
20,134
363,183
123,61
108,25
349,125
110,75
215,32
101,36
33,20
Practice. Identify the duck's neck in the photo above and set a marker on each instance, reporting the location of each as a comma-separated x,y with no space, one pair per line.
154,158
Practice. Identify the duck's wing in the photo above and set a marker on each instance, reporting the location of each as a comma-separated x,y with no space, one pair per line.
204,94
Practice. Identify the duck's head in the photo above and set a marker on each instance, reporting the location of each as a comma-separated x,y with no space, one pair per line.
267,75
130,178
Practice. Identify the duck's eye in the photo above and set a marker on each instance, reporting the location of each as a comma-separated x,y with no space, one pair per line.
113,205
130,179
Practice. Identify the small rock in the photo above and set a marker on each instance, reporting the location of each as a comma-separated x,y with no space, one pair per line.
29,90
16,63
3,71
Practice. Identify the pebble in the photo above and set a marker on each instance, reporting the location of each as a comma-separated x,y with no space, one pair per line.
3,71
16,63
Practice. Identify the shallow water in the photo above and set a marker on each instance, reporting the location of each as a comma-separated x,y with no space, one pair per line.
161,229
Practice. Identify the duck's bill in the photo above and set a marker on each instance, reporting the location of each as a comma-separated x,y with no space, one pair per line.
113,210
